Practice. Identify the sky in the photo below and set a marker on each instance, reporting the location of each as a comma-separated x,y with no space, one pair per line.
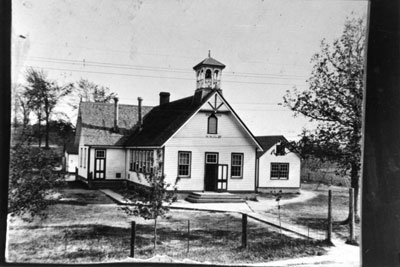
143,47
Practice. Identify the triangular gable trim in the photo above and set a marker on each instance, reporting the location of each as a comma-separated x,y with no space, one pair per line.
230,109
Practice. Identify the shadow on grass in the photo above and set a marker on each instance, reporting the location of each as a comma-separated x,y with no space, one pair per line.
217,240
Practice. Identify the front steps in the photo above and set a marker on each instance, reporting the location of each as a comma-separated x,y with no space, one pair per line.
213,197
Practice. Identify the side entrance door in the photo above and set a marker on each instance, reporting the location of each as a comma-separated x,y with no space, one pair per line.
222,182
211,171
100,164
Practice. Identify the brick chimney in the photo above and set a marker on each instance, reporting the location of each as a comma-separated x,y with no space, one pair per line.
164,98
116,113
140,112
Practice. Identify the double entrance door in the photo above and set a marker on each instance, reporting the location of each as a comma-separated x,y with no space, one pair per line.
215,174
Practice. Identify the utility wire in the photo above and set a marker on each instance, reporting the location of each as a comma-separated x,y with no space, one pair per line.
162,77
151,68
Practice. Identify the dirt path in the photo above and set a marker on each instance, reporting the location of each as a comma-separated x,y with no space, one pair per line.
264,204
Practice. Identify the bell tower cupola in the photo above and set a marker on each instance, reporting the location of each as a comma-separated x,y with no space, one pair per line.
208,76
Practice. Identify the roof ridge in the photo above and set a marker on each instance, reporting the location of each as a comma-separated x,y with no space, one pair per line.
274,135
103,103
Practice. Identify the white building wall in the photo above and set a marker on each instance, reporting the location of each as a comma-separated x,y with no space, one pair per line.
265,170
115,163
72,162
231,138
138,178
82,168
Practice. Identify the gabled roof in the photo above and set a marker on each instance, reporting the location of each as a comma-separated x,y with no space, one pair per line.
97,122
269,141
163,121
210,62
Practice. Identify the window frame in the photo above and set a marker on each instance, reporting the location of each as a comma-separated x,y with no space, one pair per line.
279,171
210,72
84,157
212,116
216,154
100,150
241,166
81,158
189,165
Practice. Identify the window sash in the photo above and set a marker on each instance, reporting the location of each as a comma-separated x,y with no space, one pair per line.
81,158
100,154
279,171
236,165
212,158
184,163
84,157
142,161
212,125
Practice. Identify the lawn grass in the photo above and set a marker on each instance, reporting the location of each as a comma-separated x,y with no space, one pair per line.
313,213
101,233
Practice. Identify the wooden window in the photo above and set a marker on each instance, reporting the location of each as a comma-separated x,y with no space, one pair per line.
100,154
81,158
212,124
208,74
279,171
237,165
216,74
131,160
142,161
84,157
136,166
212,158
184,163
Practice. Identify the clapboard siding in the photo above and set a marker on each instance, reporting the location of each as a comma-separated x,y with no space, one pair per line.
115,163
231,138
71,162
82,169
265,170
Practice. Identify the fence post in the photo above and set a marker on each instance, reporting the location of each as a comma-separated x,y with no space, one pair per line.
351,239
329,227
244,230
188,237
133,237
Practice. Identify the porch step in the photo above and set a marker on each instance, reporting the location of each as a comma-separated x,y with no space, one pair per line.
213,197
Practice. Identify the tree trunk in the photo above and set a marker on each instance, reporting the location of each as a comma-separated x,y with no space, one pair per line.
47,115
355,184
354,180
47,131
155,236
39,130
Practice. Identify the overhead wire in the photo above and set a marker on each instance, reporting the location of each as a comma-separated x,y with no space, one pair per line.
161,77
153,68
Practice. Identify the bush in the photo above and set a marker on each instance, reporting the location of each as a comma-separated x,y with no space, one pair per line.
32,179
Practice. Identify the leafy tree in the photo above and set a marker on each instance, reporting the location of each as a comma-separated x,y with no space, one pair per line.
44,96
152,202
32,180
334,100
88,91
63,132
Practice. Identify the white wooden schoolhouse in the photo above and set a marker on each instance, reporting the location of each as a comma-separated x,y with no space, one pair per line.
198,141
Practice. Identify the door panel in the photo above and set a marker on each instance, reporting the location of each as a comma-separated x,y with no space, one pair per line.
211,171
100,165
211,177
222,182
